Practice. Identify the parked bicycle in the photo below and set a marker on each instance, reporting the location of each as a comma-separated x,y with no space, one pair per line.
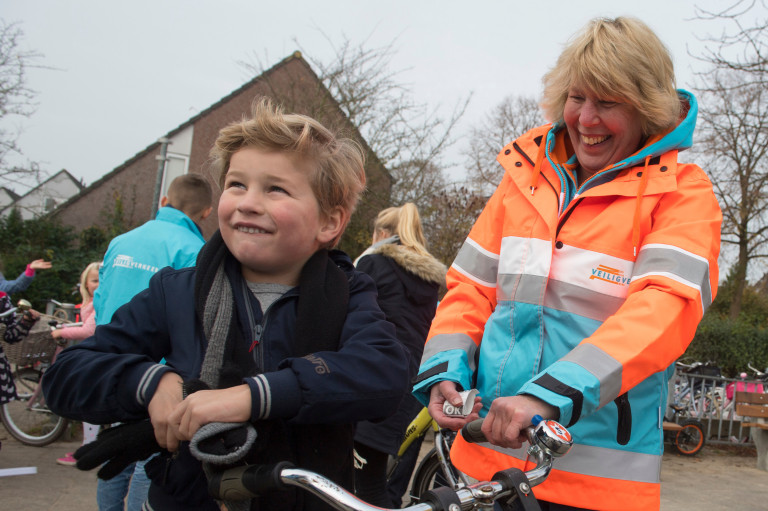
695,397
509,487
27,418
687,436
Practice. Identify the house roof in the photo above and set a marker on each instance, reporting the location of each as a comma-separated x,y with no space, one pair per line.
296,55
63,172
13,195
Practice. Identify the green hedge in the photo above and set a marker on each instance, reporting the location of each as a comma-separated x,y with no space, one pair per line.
23,241
731,344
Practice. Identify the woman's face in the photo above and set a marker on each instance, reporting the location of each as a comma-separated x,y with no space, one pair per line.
603,131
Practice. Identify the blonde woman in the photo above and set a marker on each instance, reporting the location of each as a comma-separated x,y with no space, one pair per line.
408,279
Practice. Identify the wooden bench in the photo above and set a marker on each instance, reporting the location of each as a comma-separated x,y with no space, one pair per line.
753,407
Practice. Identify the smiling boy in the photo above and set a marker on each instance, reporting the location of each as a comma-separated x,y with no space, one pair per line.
285,331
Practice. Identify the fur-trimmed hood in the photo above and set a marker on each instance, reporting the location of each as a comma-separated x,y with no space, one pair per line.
425,267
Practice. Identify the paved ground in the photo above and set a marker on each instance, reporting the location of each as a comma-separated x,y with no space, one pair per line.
717,479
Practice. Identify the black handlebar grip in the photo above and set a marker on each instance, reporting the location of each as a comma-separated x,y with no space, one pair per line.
246,482
471,432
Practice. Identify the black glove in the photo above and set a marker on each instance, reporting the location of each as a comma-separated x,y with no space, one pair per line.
118,447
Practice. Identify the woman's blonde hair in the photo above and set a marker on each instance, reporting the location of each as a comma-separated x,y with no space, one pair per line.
406,223
617,58
338,179
87,297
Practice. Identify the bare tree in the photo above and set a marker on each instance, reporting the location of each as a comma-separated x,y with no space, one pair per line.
17,99
743,44
448,220
508,120
409,138
735,132
733,137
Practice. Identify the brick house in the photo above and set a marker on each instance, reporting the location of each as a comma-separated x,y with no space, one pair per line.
291,83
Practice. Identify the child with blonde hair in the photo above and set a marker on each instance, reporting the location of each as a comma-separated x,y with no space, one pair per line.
89,281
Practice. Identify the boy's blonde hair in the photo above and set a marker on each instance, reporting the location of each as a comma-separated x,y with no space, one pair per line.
406,223
190,193
87,297
617,58
338,179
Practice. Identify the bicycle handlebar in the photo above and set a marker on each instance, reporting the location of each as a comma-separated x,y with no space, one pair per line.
758,373
548,439
8,312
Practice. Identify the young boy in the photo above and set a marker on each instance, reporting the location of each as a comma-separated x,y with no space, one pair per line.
287,333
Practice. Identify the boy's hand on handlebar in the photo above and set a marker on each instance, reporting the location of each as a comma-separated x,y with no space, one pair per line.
446,391
167,396
205,406
509,416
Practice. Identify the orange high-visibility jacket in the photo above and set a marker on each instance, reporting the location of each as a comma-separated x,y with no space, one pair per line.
583,297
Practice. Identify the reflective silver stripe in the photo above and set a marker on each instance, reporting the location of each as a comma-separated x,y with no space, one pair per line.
603,366
521,288
476,263
680,265
141,391
445,342
600,462
590,304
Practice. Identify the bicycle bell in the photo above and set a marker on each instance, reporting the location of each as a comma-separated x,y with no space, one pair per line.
552,435
24,305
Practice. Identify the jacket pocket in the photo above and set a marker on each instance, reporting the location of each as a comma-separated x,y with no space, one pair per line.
624,427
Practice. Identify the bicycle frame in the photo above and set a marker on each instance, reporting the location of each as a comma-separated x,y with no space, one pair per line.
418,427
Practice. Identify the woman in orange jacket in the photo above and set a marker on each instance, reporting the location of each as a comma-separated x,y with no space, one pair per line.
584,278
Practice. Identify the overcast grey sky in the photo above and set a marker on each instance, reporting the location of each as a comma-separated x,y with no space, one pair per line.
122,74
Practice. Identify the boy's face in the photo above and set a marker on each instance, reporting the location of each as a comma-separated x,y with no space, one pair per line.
269,216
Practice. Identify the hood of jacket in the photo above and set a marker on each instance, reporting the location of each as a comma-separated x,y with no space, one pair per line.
678,138
425,267
548,142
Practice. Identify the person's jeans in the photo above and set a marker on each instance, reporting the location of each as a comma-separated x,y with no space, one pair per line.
139,489
110,495
132,481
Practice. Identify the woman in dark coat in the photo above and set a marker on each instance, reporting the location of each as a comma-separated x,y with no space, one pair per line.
408,279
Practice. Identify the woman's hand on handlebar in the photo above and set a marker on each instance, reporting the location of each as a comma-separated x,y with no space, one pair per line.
509,416
446,391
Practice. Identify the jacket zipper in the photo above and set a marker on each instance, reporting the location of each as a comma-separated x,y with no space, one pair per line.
257,329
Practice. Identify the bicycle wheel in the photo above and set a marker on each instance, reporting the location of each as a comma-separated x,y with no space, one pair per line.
35,426
690,439
429,475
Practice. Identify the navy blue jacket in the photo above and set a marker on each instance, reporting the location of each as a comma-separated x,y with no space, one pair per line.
113,375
